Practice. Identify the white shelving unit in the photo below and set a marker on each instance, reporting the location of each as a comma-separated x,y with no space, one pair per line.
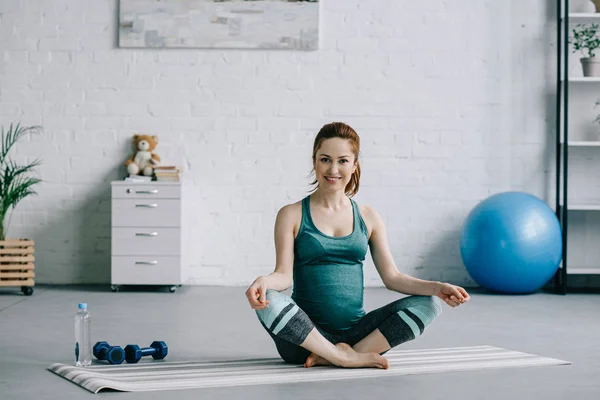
582,79
583,17
565,25
584,271
584,207
582,143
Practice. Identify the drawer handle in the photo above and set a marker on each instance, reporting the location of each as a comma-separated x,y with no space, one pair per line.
146,262
153,191
153,205
146,234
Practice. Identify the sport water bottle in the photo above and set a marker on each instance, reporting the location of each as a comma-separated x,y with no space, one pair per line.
83,337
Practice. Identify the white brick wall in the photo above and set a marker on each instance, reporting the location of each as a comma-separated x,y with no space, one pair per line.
452,100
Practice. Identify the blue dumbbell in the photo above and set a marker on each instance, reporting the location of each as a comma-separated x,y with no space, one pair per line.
158,350
112,354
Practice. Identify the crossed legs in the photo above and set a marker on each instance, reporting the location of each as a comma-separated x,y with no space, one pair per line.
299,341
388,326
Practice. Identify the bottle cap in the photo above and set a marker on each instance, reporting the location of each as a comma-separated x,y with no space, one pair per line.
82,306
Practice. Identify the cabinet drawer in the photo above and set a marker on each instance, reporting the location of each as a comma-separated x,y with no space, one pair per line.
149,191
146,241
146,270
146,213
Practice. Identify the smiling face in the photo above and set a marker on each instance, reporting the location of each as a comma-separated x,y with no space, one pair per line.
334,164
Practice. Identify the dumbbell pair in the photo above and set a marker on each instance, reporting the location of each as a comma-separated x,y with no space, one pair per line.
132,352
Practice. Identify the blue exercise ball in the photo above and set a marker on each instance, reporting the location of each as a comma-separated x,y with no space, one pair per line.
511,242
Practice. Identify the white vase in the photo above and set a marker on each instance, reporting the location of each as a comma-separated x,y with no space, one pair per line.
591,66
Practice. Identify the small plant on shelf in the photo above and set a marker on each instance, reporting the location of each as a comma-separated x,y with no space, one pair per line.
597,119
586,39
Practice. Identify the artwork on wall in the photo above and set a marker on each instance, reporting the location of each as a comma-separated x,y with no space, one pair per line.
257,24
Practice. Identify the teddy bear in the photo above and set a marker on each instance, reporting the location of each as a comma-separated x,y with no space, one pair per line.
144,158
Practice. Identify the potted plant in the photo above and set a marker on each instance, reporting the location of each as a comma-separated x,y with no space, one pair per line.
16,255
585,38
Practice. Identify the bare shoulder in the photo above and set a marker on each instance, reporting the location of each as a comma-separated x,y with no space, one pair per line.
370,216
290,216
290,210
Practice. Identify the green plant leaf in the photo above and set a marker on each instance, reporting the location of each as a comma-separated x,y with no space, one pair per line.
15,184
585,38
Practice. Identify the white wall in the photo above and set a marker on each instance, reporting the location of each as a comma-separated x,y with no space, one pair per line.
453,101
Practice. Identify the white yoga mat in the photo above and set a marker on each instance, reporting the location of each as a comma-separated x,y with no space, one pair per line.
162,375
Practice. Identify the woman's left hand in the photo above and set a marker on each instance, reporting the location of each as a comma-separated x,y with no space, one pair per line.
451,294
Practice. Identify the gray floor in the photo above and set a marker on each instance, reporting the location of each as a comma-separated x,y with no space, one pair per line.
210,323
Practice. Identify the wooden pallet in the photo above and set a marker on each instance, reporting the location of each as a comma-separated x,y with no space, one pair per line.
17,264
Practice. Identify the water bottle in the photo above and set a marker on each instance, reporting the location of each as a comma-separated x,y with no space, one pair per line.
83,337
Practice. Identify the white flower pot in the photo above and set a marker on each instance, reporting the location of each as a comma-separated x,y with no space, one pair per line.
591,66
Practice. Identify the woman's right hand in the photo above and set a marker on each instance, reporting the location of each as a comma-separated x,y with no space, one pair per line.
257,294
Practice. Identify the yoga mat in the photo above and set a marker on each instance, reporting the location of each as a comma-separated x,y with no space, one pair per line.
163,375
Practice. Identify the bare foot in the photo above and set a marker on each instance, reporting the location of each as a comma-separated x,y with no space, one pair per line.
314,360
352,359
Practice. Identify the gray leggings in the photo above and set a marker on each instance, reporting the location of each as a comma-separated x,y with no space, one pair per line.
400,321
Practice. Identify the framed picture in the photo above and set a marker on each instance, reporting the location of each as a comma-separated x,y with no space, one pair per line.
246,24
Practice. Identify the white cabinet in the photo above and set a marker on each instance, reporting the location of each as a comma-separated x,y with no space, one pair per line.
146,239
